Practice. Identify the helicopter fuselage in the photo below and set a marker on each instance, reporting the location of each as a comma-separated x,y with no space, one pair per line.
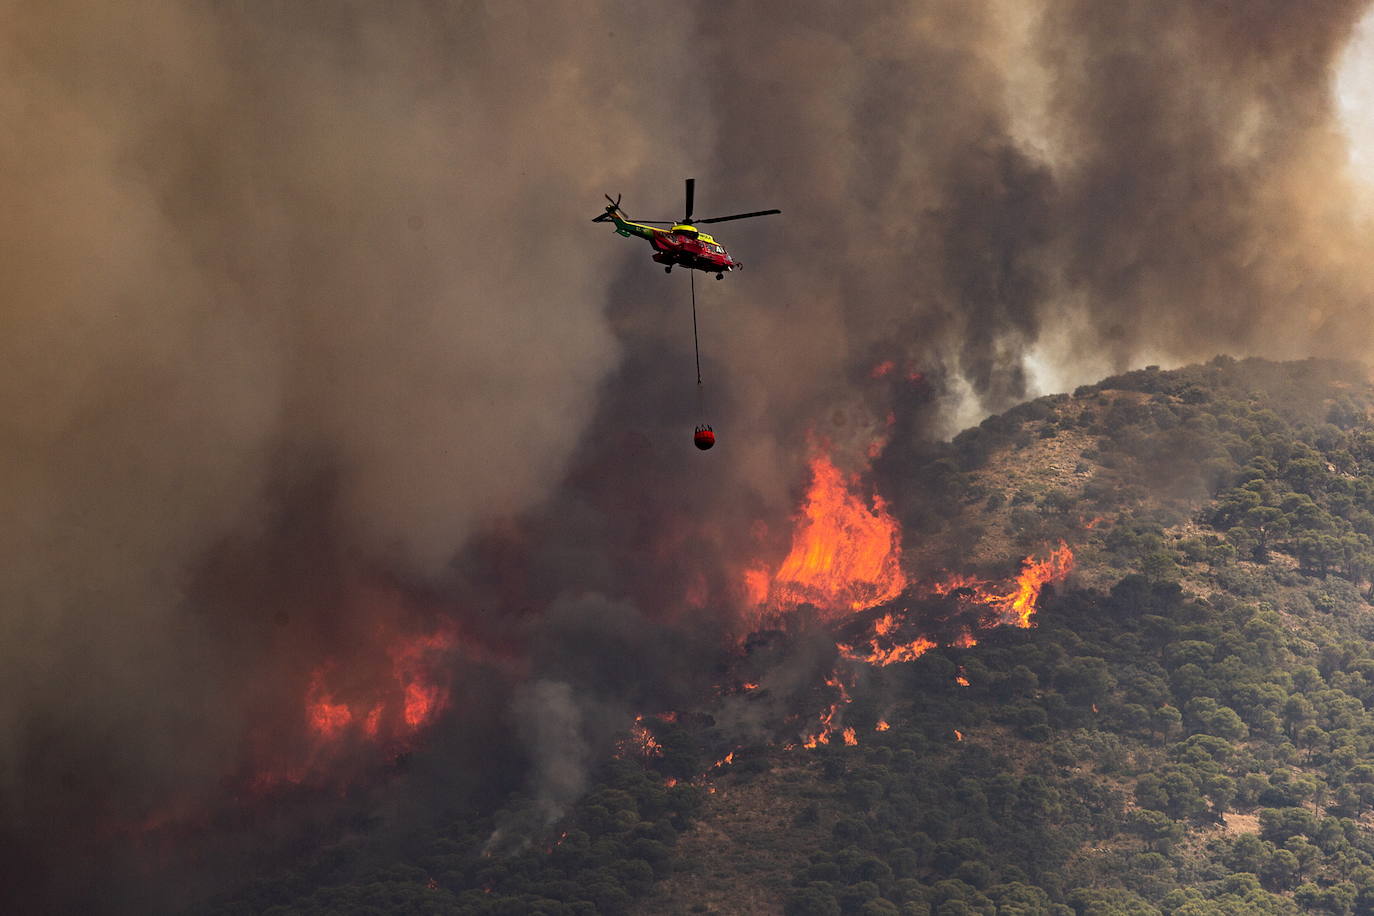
682,245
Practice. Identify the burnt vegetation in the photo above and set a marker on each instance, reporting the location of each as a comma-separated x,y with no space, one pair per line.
1186,730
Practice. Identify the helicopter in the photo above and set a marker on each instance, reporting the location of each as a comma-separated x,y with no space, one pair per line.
681,244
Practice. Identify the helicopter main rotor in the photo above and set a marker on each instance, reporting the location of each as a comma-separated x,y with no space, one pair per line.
691,187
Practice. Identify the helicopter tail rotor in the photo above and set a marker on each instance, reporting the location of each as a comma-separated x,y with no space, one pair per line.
612,206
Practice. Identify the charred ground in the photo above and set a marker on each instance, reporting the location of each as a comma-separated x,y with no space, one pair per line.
1184,730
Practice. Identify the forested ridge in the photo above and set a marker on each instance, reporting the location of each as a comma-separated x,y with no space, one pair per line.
1185,730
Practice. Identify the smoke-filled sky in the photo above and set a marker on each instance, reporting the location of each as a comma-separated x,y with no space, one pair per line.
301,294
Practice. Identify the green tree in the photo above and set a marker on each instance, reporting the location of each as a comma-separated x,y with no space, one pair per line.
810,901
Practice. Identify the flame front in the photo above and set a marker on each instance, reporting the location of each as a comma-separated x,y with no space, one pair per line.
845,555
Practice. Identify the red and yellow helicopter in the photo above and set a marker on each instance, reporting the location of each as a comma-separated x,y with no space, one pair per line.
681,244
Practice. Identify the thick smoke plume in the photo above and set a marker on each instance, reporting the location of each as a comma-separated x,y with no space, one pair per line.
291,300
307,337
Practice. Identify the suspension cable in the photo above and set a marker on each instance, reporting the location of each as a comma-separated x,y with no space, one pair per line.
696,343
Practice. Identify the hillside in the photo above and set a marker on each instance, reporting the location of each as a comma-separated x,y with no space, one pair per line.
1183,729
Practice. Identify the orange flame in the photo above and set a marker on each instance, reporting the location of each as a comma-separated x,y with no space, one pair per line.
640,741
383,699
845,558
1016,607
845,555
882,725
413,700
874,654
1034,577
326,717
827,721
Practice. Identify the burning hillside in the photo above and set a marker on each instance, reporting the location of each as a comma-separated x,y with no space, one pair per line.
845,567
846,557
373,698
839,648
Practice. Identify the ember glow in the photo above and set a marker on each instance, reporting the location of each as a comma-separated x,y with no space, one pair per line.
381,700
756,586
326,718
409,699
846,550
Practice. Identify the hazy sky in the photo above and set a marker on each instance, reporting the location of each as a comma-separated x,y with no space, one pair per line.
1355,92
